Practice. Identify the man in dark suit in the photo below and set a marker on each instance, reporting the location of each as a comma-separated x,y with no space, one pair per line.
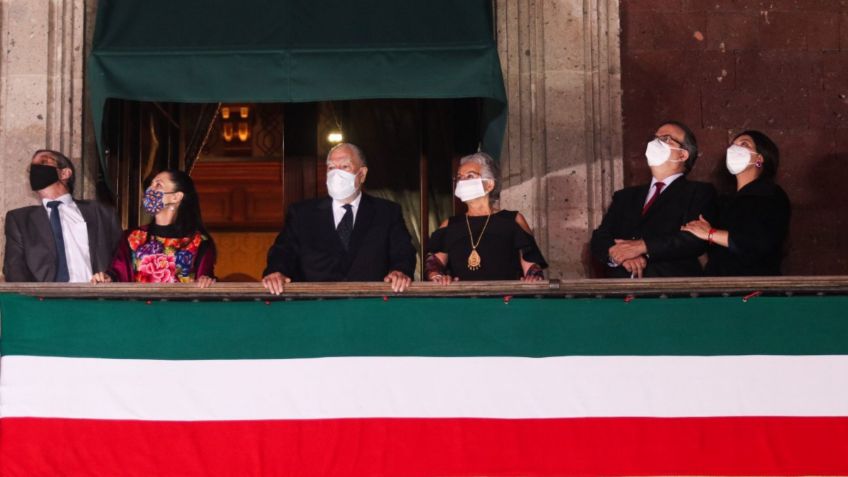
61,240
640,233
349,236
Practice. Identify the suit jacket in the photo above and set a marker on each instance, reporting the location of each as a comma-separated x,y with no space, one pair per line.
671,252
31,248
309,248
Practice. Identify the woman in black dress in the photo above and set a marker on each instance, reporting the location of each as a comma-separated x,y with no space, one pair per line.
753,223
483,243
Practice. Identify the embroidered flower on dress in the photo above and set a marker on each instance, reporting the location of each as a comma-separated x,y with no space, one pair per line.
136,238
184,258
195,243
164,259
157,268
150,248
172,243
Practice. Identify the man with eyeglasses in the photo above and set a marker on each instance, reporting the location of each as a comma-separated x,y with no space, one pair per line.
640,234
61,240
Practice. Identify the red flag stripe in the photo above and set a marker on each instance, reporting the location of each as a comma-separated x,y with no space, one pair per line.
425,447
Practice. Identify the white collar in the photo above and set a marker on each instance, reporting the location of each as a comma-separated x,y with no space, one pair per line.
65,199
667,181
354,202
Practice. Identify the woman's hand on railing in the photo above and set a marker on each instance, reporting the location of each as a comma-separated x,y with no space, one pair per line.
204,281
443,279
101,277
532,273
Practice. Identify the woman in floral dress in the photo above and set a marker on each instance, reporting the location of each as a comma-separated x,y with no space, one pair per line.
175,247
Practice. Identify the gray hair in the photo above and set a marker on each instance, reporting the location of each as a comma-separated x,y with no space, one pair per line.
353,147
488,171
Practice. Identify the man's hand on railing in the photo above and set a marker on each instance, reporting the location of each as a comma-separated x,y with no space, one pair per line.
627,249
101,277
274,282
399,280
636,266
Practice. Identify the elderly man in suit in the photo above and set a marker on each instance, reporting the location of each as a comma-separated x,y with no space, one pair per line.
349,236
61,240
640,233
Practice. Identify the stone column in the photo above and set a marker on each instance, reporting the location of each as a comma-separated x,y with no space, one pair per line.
41,92
562,156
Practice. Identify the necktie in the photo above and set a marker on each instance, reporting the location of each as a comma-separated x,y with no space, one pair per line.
659,188
62,274
345,227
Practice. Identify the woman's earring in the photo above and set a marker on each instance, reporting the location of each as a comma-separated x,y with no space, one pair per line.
759,164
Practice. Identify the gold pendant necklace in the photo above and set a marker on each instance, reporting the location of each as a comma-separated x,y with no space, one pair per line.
474,260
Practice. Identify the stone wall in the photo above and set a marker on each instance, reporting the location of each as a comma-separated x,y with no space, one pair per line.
722,66
562,156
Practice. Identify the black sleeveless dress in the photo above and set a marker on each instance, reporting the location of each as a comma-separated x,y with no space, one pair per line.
499,248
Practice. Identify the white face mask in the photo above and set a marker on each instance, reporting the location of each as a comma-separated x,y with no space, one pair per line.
657,152
341,184
737,159
469,189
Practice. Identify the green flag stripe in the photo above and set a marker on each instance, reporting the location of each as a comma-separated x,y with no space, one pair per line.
423,327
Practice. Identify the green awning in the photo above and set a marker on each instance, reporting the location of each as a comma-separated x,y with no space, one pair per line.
205,51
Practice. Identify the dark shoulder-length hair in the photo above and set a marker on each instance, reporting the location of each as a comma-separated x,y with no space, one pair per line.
766,148
189,219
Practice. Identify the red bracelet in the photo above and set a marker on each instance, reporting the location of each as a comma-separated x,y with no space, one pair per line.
710,236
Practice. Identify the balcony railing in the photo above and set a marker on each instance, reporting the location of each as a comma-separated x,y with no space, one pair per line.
670,287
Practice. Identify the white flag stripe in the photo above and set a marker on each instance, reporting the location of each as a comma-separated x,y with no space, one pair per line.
479,387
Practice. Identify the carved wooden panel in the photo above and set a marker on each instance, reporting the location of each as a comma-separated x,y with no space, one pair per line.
240,194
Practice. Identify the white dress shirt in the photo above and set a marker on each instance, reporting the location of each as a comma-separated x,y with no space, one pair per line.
339,210
667,181
75,234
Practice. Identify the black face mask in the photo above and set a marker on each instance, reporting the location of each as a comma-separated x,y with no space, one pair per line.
41,176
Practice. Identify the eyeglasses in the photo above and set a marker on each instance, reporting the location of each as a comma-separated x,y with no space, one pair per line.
467,176
667,139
